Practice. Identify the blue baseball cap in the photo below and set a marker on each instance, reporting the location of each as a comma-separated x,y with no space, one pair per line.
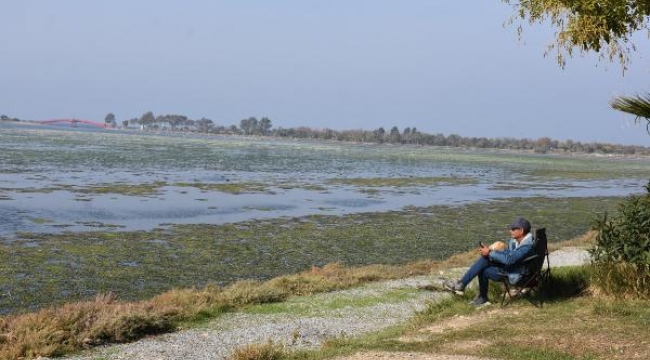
520,223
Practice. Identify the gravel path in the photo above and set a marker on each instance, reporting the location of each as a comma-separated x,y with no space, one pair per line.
569,257
220,337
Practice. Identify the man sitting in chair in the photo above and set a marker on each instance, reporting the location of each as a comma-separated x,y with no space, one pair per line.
493,262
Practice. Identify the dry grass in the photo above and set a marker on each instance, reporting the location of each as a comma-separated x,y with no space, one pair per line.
583,241
57,331
596,328
266,351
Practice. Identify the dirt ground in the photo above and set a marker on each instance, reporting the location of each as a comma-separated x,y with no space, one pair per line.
453,324
407,356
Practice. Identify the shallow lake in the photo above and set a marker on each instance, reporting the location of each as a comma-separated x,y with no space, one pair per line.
55,179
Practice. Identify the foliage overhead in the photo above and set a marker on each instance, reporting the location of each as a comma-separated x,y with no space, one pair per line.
601,26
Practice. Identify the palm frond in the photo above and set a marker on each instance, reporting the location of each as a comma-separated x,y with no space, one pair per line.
638,105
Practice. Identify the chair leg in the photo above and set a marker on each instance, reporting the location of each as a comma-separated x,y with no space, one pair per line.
506,294
535,293
512,292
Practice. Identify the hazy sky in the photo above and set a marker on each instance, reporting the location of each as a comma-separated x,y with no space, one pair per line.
440,66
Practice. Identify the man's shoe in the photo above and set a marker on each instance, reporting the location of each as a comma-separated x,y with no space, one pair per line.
480,302
456,287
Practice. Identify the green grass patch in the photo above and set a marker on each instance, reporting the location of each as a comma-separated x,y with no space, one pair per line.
566,282
230,187
122,189
316,305
299,185
401,182
41,221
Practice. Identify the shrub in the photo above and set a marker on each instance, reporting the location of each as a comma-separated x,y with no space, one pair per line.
622,280
247,292
622,251
267,351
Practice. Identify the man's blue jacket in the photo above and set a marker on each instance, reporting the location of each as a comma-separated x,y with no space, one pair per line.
511,257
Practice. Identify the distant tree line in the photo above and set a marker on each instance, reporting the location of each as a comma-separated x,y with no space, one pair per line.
253,126
7,118
409,135
412,136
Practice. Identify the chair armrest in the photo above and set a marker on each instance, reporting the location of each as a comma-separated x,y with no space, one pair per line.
529,259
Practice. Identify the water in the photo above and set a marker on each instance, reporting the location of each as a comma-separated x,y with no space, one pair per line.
47,177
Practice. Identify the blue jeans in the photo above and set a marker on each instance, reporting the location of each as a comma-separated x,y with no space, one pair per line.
485,271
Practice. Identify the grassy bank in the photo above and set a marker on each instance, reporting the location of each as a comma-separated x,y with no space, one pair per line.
575,324
571,327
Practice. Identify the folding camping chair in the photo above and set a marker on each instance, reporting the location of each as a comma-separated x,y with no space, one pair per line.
530,285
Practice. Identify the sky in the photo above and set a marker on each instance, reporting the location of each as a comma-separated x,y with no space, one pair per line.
437,66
